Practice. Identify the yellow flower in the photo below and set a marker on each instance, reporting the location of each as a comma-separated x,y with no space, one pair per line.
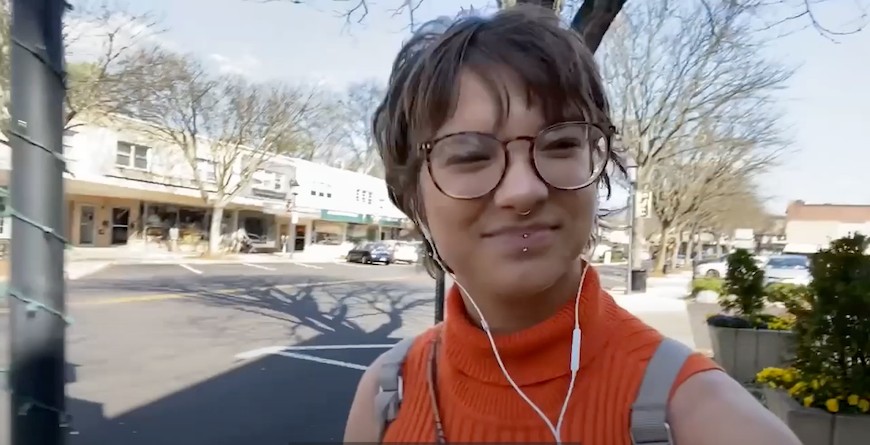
771,384
815,384
852,400
787,377
808,401
864,405
833,405
797,388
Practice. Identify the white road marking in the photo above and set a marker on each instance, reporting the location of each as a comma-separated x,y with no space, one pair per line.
337,347
271,350
257,266
325,361
196,271
254,353
308,266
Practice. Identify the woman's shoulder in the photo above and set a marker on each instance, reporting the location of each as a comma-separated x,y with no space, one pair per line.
634,343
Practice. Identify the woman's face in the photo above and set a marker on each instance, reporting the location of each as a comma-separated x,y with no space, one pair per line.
487,242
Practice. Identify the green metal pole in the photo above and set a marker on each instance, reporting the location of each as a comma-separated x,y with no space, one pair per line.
36,287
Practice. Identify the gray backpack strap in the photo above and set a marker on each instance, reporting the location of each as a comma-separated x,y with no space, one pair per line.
389,394
649,424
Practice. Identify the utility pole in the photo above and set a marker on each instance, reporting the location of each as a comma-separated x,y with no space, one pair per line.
635,230
36,287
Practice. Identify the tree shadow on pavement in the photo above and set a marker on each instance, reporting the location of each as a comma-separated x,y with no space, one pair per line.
271,399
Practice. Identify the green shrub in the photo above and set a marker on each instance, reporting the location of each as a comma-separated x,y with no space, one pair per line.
831,370
833,332
794,297
743,289
701,284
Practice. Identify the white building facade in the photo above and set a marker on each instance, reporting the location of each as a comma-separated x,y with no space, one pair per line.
124,190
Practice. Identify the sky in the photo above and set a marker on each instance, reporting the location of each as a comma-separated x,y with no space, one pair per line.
826,103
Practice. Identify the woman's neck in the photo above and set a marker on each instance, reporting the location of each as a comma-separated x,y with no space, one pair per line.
507,314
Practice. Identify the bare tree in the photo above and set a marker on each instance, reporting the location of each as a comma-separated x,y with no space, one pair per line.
741,207
107,48
669,76
707,179
359,104
593,18
227,128
324,138
110,50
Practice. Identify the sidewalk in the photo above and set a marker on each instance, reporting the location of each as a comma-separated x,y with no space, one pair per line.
662,306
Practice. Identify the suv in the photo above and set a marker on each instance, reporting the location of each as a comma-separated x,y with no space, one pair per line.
407,252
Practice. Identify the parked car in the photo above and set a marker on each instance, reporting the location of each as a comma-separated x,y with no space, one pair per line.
712,267
407,252
370,253
718,266
793,269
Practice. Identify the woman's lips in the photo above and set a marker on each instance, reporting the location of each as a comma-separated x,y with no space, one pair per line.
525,241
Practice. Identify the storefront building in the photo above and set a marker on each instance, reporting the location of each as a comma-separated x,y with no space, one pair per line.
123,192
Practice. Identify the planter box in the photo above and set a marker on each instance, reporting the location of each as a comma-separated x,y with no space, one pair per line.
698,313
814,426
744,352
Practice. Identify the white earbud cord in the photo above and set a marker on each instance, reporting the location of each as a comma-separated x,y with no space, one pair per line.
556,430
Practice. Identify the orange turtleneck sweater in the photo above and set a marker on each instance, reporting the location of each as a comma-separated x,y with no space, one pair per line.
477,404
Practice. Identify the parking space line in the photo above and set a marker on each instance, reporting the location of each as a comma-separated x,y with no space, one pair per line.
337,347
196,271
257,266
308,266
324,361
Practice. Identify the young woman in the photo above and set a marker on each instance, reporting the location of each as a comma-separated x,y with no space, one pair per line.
496,139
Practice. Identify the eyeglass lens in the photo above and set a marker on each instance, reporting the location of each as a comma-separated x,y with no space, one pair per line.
470,165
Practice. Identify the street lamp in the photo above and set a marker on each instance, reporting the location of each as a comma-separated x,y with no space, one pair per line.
631,170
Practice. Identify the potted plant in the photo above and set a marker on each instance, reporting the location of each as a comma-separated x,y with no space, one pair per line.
744,338
824,396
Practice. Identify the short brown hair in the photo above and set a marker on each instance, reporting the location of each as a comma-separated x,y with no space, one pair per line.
556,67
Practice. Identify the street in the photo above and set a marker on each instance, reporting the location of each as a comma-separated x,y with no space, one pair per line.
222,354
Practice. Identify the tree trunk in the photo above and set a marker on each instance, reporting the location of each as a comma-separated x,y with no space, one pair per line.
214,230
690,244
678,241
594,18
662,256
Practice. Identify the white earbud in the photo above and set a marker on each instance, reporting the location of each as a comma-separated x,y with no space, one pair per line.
574,361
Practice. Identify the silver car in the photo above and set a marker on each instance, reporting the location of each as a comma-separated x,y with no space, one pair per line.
792,269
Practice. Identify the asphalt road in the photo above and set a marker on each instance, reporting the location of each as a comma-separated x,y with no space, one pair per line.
228,354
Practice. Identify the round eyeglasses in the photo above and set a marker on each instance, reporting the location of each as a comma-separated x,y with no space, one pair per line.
567,156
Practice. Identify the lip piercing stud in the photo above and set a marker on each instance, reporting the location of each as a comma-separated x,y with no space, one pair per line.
525,235
525,249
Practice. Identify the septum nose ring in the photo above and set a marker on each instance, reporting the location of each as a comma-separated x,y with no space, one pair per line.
526,213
